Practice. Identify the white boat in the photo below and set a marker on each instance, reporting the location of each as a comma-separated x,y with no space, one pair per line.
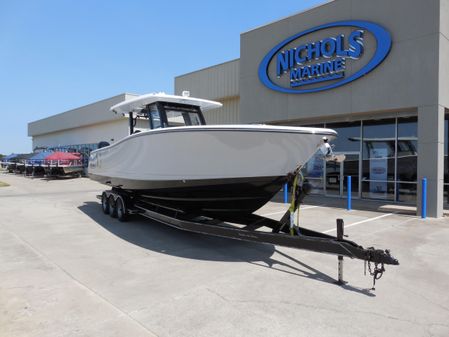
218,170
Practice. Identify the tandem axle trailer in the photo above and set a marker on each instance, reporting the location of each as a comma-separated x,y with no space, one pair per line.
120,204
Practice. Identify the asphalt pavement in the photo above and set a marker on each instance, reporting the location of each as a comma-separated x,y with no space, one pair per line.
66,269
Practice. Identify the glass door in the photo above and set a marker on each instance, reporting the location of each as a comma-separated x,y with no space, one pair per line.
334,172
351,167
337,173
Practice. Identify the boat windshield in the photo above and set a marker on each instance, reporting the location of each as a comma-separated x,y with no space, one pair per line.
182,115
182,118
165,115
155,118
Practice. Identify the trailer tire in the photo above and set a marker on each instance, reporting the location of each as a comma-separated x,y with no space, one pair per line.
122,213
105,203
112,207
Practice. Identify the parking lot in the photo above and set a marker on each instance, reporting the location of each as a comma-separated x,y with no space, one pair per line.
66,269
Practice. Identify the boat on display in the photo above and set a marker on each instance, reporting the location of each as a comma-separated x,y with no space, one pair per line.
8,160
63,163
35,164
13,163
20,162
178,161
205,179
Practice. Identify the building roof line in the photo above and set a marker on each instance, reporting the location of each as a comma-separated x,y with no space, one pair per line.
83,106
324,3
121,119
209,67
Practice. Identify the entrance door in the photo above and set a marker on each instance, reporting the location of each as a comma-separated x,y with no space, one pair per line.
334,172
337,173
351,167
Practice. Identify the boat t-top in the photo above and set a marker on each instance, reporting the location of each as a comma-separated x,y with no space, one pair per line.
173,159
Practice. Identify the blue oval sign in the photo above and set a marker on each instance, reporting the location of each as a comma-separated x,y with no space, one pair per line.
325,60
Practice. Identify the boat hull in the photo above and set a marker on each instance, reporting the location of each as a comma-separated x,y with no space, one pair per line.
220,171
224,199
72,169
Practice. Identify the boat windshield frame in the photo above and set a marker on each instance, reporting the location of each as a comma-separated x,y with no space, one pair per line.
162,108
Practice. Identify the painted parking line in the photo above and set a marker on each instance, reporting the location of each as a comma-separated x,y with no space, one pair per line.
362,221
281,212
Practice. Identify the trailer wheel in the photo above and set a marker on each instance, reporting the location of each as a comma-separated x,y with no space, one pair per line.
112,207
105,203
122,213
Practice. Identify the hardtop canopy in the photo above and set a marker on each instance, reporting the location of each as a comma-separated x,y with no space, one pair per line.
140,102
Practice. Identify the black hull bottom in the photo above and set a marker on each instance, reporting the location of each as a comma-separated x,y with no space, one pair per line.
225,199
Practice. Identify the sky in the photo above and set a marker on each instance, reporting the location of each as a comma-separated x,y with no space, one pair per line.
61,54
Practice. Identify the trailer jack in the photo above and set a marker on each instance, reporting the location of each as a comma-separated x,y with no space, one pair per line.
370,255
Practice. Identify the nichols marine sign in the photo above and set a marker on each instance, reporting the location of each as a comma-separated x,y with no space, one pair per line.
301,64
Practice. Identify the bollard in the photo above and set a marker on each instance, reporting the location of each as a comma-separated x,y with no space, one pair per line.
349,192
424,198
285,193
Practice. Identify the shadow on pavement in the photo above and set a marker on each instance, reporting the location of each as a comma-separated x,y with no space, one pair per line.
155,236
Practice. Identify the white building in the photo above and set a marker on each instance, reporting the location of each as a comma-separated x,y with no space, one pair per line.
85,126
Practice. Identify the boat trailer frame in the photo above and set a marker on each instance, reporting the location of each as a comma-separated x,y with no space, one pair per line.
120,204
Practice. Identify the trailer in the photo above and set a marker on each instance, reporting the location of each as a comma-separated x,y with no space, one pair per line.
120,204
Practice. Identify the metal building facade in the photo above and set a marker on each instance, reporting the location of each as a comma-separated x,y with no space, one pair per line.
219,83
86,125
402,103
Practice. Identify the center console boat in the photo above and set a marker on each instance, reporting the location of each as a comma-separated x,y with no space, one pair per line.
173,159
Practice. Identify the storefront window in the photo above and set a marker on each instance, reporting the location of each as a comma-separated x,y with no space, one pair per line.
333,178
351,168
406,192
379,138
348,139
407,149
378,190
389,160
313,173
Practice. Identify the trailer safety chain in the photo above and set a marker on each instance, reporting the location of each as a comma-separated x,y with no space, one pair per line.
377,273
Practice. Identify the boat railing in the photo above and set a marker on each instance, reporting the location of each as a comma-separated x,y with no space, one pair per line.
63,162
34,162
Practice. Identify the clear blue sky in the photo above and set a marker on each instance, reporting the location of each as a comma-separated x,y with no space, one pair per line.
61,54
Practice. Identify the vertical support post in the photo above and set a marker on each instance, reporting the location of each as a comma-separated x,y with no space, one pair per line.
431,158
285,193
340,233
131,123
424,198
349,193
